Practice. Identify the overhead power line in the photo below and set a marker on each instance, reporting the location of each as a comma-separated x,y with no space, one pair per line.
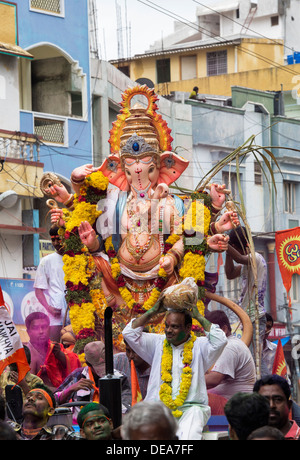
208,33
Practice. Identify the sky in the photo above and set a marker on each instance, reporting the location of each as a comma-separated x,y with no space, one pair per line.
146,23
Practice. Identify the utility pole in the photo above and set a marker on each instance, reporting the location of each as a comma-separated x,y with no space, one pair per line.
290,329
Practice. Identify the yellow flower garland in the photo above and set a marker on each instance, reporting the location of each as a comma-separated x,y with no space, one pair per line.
82,316
82,212
165,392
80,269
193,266
197,218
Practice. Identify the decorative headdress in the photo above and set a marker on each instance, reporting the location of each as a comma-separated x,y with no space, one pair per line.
139,131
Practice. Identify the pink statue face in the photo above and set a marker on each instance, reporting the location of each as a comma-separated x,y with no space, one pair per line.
143,172
140,173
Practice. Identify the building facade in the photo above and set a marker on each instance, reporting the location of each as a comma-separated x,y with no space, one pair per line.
58,102
217,131
230,43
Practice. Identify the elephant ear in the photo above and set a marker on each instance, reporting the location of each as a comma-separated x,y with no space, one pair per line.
111,168
171,167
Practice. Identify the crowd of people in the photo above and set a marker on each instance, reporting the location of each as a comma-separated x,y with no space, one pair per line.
183,379
255,409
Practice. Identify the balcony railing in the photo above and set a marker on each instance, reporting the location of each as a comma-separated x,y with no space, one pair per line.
18,145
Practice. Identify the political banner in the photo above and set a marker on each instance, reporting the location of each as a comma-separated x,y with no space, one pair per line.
19,298
11,347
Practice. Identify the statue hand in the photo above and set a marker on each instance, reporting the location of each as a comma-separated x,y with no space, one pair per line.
167,263
57,216
217,195
88,236
228,221
59,192
81,172
218,243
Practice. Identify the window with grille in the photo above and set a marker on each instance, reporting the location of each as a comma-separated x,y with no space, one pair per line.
289,197
274,21
258,179
230,179
294,292
47,6
50,130
216,62
163,70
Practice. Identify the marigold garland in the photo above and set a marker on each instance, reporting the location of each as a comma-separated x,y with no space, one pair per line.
159,282
196,227
84,294
165,392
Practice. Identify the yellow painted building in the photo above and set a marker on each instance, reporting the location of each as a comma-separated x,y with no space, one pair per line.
214,66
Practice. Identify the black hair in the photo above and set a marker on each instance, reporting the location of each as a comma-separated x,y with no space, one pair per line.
41,386
273,379
90,408
33,316
266,432
218,317
27,353
2,408
269,317
7,433
187,316
238,237
54,230
246,412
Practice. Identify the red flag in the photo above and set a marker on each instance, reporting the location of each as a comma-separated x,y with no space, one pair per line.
135,387
288,255
11,347
279,365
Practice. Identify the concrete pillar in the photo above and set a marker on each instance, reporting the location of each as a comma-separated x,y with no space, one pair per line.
272,280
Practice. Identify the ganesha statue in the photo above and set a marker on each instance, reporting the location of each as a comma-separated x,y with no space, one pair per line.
138,240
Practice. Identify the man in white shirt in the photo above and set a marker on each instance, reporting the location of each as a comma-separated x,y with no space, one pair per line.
238,264
49,281
234,371
188,401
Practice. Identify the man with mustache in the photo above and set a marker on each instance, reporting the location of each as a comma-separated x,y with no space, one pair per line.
174,354
277,391
38,407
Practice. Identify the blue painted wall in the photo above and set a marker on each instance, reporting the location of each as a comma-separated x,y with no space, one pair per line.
71,34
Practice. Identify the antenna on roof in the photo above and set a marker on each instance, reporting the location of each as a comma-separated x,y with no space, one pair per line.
119,31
